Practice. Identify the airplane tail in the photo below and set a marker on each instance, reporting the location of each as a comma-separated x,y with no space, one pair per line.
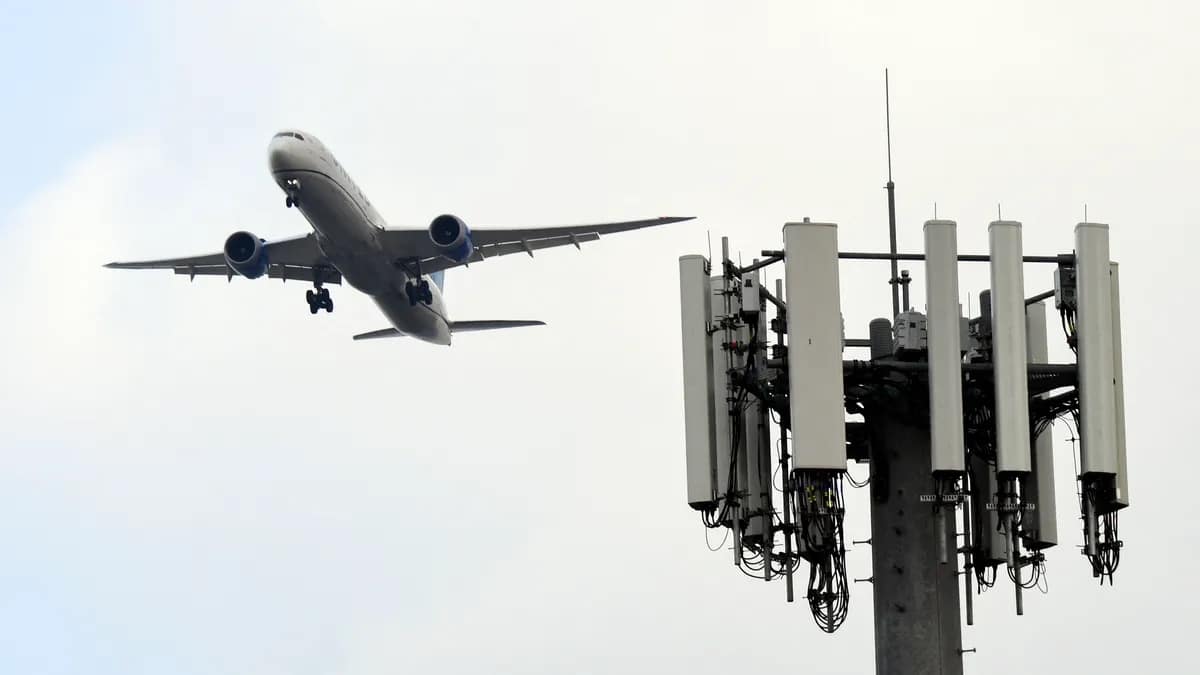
457,327
439,278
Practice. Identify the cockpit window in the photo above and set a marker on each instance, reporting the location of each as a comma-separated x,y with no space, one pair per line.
289,134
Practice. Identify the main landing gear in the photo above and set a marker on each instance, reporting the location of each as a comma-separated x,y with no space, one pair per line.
292,186
418,292
318,300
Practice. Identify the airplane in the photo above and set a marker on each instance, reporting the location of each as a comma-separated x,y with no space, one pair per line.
402,270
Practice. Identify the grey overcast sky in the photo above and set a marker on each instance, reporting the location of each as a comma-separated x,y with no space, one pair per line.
204,479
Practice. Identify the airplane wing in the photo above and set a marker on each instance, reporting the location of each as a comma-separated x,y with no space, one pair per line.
492,242
296,258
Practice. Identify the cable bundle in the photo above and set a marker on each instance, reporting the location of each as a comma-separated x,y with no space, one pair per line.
820,514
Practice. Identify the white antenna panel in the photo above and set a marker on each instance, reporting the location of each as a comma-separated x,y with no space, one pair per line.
986,526
1041,489
720,387
814,324
695,303
1094,333
1009,361
943,326
1122,497
758,466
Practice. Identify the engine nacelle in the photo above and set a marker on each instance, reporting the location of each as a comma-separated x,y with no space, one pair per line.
452,236
246,255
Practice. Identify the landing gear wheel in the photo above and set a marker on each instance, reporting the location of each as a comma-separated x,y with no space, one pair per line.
318,300
418,292
292,186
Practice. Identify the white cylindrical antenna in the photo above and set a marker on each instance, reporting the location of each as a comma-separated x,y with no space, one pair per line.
695,301
720,388
814,323
1122,497
1094,326
945,357
1040,530
1009,361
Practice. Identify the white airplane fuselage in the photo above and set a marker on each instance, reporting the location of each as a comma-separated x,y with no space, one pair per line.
348,231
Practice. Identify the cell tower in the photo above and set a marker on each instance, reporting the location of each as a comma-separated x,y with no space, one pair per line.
952,414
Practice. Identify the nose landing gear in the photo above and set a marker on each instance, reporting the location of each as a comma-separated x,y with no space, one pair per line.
292,187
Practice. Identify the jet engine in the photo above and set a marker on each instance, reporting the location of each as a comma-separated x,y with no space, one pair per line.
246,255
452,236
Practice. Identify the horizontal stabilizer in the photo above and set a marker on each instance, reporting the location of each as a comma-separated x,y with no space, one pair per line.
385,333
467,326
456,327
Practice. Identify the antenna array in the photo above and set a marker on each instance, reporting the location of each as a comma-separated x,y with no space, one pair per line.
952,414
979,388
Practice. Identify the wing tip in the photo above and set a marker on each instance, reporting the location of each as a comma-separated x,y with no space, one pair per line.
675,219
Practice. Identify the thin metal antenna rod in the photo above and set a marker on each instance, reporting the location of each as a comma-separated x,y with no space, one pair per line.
887,112
891,197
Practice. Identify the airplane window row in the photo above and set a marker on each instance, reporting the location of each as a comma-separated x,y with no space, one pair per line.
289,134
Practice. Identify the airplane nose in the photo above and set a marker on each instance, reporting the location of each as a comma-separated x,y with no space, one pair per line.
280,155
